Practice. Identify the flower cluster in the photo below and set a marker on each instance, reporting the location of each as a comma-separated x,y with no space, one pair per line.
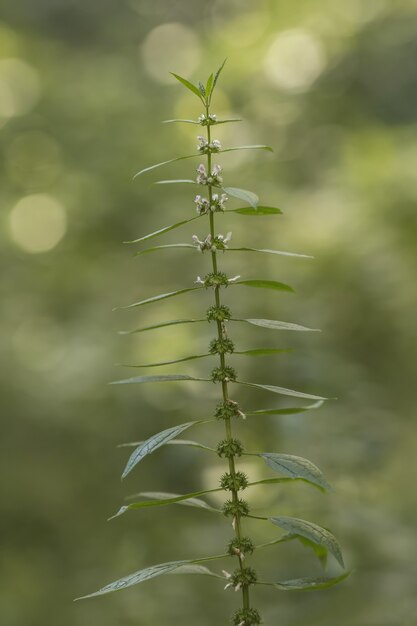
205,147
223,374
218,243
220,313
240,547
221,346
234,483
246,617
217,203
214,178
229,447
228,409
207,121
238,508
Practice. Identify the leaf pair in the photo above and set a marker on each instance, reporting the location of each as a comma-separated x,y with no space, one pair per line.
203,92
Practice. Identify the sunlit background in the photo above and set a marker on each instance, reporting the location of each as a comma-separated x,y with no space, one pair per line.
332,86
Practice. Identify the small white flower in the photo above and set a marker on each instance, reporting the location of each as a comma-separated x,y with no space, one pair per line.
227,238
226,574
201,174
216,145
241,623
199,281
234,523
242,415
238,586
234,279
228,586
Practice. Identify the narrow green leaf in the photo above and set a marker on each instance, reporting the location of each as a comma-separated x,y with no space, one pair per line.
161,325
137,577
155,442
169,245
262,351
265,284
209,85
257,210
180,120
287,410
295,467
202,89
176,182
282,391
155,379
192,444
154,167
195,569
161,231
188,85
253,147
217,74
235,119
161,296
277,325
163,499
279,252
311,531
243,194
310,584
186,358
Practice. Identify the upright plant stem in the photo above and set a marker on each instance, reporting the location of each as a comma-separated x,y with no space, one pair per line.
221,335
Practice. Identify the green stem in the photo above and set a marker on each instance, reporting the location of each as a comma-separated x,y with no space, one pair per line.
225,391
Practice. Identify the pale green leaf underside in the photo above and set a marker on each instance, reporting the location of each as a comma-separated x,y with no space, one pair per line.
276,325
195,569
311,531
157,498
243,194
155,442
188,85
265,284
163,378
282,391
295,467
309,584
163,230
287,410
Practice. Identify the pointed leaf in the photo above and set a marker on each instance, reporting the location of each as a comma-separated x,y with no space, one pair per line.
277,325
180,120
253,147
195,569
192,444
283,391
257,210
310,584
217,74
155,442
161,296
310,531
161,231
201,89
265,284
154,167
243,194
235,119
138,577
320,551
163,499
262,351
161,325
186,358
169,245
155,379
176,182
209,85
287,410
279,252
187,84
295,467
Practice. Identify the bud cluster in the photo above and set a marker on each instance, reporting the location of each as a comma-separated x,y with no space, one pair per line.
236,482
213,279
246,617
245,576
220,313
229,448
240,547
207,121
228,409
223,374
217,203
239,508
205,147
218,243
221,346
213,178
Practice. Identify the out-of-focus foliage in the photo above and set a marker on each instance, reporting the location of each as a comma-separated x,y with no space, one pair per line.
83,85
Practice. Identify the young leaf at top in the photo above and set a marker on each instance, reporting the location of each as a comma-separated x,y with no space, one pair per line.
188,85
243,194
311,531
217,74
209,86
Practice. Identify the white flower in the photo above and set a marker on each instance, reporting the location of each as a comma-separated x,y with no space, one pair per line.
233,280
199,281
202,205
201,174
216,145
226,574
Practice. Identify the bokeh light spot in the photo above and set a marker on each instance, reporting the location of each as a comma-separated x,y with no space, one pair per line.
37,223
19,88
294,60
168,48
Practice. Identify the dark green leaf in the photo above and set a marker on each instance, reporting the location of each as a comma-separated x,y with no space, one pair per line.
243,194
295,467
161,325
209,85
277,325
161,231
266,284
280,252
257,210
187,84
138,577
287,410
186,358
310,531
217,74
155,379
262,351
155,442
161,296
283,391
310,584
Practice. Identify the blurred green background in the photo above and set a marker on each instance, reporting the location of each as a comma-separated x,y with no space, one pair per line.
332,86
